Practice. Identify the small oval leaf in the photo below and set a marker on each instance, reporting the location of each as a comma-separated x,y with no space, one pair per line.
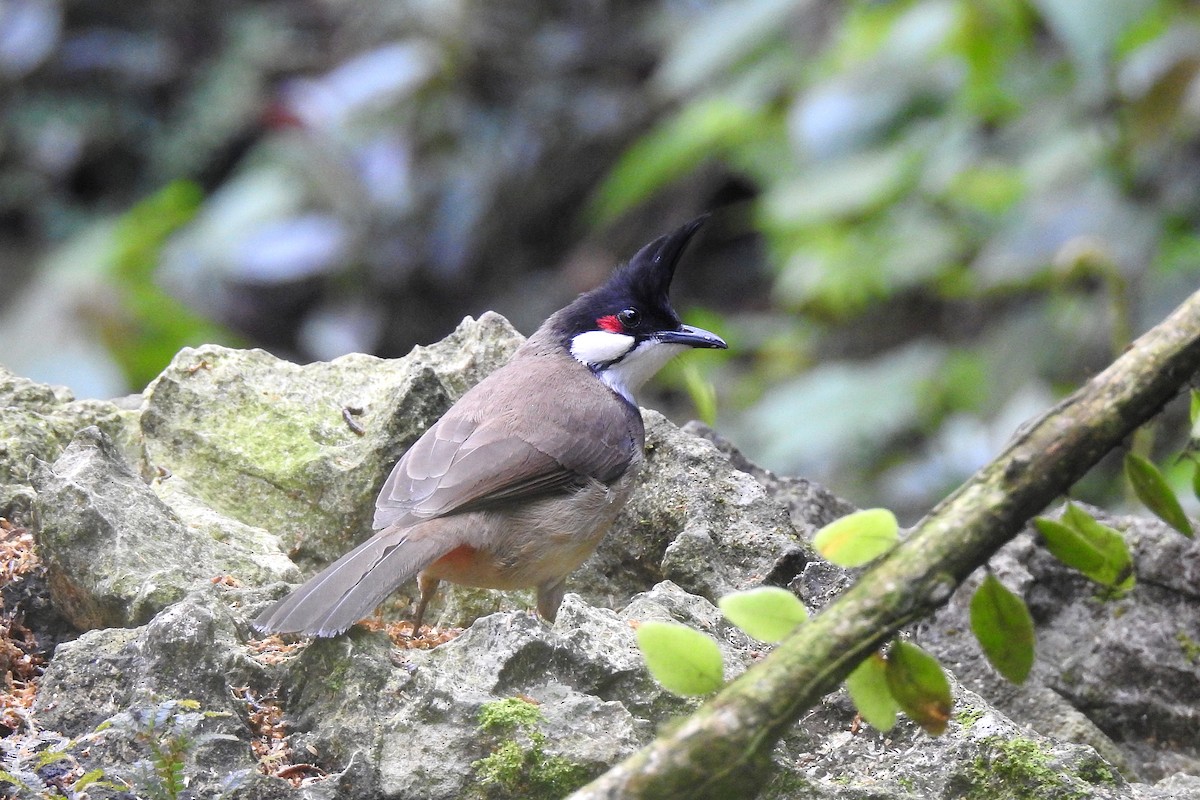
1082,543
1152,489
767,613
1069,546
1118,572
1004,628
869,691
919,686
858,538
683,660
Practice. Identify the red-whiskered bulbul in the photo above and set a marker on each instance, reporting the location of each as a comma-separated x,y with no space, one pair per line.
519,481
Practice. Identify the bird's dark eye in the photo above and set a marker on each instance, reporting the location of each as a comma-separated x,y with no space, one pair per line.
629,318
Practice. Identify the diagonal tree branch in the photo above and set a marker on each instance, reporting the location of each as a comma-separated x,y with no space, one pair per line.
723,749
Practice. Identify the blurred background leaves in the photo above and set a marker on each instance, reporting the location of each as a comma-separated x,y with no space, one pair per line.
934,216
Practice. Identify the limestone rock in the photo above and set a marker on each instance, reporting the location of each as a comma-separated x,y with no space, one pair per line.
112,676
37,422
302,450
694,520
116,554
414,715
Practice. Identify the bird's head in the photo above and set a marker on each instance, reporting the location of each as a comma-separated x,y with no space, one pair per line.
626,330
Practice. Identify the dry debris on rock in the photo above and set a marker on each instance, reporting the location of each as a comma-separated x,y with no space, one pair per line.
22,658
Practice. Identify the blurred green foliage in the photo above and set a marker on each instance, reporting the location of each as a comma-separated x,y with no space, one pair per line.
964,206
976,199
151,325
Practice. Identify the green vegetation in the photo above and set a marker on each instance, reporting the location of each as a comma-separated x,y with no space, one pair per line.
1096,550
967,717
1001,622
1020,769
508,715
519,765
1155,493
859,538
46,764
1003,161
768,613
151,325
869,691
170,731
685,661
919,686
1189,646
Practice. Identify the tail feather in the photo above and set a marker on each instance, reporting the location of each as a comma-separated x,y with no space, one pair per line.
346,591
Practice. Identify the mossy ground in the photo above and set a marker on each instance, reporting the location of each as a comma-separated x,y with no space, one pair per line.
519,765
1023,769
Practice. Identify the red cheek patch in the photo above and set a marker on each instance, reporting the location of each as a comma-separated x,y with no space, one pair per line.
610,324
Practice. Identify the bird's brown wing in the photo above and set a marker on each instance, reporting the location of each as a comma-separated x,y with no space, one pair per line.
463,465
502,443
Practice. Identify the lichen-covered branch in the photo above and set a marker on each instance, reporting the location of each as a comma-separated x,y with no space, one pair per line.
723,749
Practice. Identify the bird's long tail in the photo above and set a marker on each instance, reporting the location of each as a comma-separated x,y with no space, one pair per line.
346,591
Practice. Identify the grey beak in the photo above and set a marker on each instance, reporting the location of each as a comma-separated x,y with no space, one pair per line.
692,337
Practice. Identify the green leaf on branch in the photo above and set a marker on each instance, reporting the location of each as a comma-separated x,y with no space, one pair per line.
1193,445
1120,574
1002,624
682,659
858,538
1154,491
919,686
868,687
1082,543
768,613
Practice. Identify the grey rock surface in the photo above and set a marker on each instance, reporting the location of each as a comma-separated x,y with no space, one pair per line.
116,554
695,520
166,544
302,450
415,715
39,421
811,505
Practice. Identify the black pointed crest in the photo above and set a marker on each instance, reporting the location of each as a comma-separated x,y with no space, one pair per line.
651,269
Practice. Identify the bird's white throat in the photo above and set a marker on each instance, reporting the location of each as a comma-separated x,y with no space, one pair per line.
629,366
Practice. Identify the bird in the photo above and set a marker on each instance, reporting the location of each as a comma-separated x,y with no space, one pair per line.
518,482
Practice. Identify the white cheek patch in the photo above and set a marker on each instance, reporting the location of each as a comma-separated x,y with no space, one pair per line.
600,347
